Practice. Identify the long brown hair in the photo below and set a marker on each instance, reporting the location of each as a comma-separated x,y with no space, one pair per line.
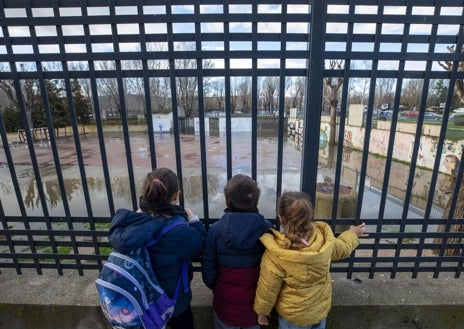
158,190
296,212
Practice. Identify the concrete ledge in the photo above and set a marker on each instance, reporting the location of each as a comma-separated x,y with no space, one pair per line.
31,301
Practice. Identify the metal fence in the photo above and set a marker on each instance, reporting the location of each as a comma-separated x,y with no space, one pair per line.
60,190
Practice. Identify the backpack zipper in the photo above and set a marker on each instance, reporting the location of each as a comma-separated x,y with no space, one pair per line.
127,275
123,292
140,268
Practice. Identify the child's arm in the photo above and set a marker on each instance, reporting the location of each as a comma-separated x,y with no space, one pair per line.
193,237
346,242
209,260
269,284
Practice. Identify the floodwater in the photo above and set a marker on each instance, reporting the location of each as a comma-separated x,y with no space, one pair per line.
140,157
75,200
191,168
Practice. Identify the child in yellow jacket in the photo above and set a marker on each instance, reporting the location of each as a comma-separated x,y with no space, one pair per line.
295,268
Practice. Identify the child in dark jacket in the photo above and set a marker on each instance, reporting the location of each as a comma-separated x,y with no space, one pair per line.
158,206
232,254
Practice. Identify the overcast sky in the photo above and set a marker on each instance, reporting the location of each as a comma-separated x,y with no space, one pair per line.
242,27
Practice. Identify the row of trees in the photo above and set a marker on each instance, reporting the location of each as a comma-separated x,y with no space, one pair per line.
240,97
35,107
213,91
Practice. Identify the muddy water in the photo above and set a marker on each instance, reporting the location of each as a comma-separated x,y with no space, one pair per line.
140,157
192,183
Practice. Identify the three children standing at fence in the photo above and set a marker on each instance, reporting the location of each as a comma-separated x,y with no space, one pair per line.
251,267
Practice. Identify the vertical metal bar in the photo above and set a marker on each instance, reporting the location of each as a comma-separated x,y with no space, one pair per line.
313,98
433,37
391,142
53,145
146,85
282,82
413,162
227,89
122,104
344,106
254,90
22,108
96,105
367,135
77,143
9,158
172,77
201,108
341,134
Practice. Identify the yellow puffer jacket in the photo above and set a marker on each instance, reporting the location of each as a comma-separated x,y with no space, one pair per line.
297,282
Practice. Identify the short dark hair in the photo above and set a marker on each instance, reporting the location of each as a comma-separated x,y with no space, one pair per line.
242,194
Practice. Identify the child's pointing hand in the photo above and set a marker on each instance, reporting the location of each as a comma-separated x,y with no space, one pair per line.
359,230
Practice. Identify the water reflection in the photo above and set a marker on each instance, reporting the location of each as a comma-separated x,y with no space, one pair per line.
192,183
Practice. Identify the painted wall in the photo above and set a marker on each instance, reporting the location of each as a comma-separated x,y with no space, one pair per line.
404,144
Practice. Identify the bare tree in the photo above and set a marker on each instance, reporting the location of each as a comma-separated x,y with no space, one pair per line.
136,87
108,87
296,88
84,83
244,89
333,84
218,94
187,86
411,93
269,91
160,90
234,94
384,92
448,66
358,87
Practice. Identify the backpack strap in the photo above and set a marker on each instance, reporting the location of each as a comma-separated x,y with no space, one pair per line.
183,278
166,228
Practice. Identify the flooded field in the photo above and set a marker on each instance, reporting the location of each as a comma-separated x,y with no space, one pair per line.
192,179
140,157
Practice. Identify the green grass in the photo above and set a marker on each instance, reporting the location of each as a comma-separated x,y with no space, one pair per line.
453,132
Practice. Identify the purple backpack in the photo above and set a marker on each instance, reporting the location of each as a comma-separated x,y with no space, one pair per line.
129,293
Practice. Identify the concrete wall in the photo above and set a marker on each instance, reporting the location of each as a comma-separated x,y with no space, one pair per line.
238,124
404,142
50,301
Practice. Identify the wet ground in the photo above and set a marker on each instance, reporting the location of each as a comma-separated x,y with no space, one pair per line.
140,157
165,156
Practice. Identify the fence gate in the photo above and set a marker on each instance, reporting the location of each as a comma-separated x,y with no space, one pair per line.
95,94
